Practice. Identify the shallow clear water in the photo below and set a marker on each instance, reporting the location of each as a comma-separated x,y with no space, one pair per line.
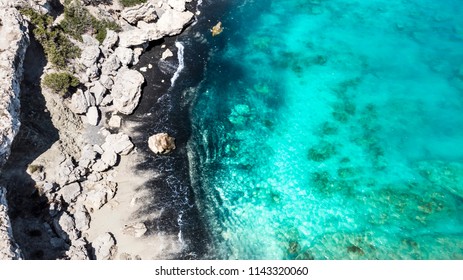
332,130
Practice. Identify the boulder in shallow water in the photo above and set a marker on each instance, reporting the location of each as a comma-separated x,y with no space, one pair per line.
161,143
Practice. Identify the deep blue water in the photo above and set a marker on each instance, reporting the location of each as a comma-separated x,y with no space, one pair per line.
331,130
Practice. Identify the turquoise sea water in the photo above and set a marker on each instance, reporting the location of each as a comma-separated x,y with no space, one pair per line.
332,129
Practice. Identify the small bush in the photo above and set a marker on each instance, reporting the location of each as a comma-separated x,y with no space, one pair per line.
58,48
78,21
60,82
129,3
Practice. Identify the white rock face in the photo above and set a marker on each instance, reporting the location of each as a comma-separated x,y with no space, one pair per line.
178,5
115,121
14,40
90,55
172,22
104,246
161,143
93,115
8,248
126,91
66,227
109,42
119,143
98,91
70,192
82,218
110,65
109,157
79,104
125,55
145,12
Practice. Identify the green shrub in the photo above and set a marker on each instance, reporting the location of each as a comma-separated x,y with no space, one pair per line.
60,82
58,48
78,21
129,3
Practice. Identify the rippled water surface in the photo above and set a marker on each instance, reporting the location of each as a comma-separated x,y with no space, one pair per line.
332,130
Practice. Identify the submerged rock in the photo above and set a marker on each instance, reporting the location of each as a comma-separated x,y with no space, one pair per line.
161,143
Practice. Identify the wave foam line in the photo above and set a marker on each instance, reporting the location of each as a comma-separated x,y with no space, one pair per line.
181,62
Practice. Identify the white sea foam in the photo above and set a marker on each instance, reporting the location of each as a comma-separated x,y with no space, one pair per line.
181,63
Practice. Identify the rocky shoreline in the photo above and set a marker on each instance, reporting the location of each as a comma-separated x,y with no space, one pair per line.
81,179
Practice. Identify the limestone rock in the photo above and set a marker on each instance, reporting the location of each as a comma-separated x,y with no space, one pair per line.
104,246
94,177
65,226
161,143
87,157
115,121
78,250
126,91
109,42
145,12
125,55
136,230
106,81
90,98
100,195
137,52
178,5
79,103
70,192
14,40
109,157
110,65
119,143
100,166
172,22
98,91
93,115
8,248
90,55
82,218
167,53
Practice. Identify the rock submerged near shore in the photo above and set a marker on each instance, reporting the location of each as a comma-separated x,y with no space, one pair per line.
77,175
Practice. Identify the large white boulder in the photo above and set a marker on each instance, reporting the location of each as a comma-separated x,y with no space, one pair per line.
126,91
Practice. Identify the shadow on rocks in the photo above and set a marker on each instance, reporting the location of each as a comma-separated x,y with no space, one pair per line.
28,209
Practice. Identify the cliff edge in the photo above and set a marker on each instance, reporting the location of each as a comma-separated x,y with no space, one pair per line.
14,40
